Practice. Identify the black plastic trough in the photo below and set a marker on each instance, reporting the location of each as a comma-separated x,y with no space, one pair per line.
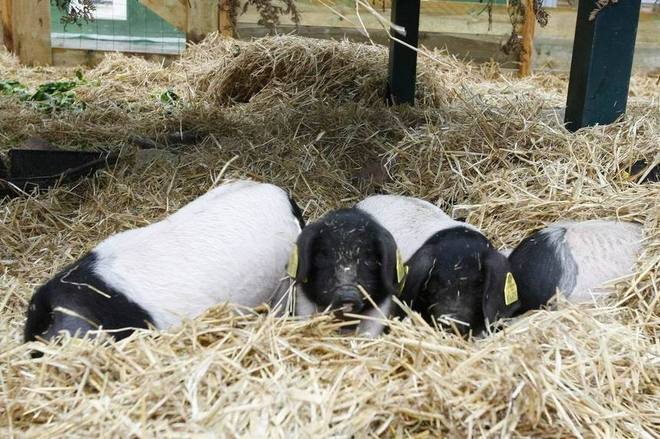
30,169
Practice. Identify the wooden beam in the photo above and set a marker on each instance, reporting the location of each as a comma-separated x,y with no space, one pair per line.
601,63
403,59
527,51
455,17
202,19
225,25
90,58
197,18
6,13
31,26
174,12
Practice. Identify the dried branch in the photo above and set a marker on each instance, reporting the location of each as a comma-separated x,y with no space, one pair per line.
600,4
75,11
516,10
269,12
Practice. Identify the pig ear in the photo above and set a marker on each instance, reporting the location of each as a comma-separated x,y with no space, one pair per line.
500,296
388,261
420,266
300,261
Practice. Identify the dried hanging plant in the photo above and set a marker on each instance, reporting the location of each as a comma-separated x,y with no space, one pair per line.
269,12
75,11
516,10
600,4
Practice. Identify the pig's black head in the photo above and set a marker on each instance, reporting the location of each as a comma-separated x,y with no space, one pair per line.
345,249
458,279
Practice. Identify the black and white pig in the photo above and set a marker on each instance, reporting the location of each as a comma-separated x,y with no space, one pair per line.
577,258
340,260
229,245
456,277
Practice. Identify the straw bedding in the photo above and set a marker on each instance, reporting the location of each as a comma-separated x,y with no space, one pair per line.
307,115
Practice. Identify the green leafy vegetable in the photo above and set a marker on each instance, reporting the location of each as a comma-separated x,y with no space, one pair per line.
12,87
50,96
169,97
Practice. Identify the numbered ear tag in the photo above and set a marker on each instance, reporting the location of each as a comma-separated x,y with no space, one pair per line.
510,290
401,271
292,266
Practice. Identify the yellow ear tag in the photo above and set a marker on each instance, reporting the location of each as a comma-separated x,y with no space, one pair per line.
292,266
510,290
77,342
626,175
401,271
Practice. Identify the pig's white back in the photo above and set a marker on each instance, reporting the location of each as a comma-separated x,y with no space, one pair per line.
411,221
603,251
229,245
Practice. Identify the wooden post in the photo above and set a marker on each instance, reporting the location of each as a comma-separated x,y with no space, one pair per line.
225,25
601,63
6,14
403,60
202,19
529,24
31,32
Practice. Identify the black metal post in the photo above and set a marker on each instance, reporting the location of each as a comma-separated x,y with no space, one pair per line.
403,60
601,64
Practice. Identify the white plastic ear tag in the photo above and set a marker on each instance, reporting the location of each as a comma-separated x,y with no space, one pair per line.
292,266
510,290
401,271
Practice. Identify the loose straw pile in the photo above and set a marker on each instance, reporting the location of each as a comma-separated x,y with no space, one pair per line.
309,115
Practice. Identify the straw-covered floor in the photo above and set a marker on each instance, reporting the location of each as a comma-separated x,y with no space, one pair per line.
308,115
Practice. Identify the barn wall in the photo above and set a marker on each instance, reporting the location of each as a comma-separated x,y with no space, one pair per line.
141,31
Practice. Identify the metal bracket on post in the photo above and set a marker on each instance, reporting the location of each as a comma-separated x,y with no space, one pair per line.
403,60
601,63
